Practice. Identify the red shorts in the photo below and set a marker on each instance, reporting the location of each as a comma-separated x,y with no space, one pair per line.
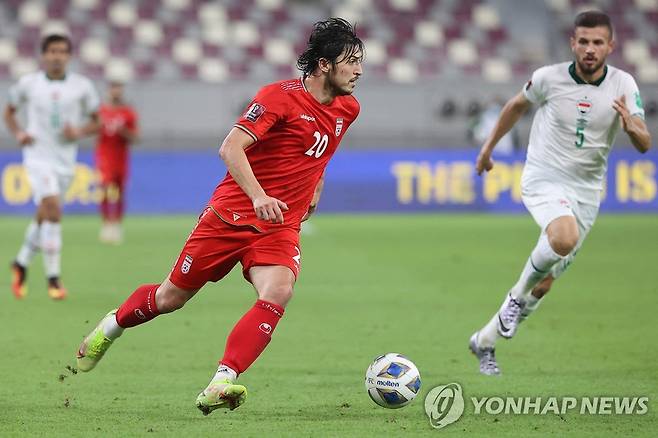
112,171
214,247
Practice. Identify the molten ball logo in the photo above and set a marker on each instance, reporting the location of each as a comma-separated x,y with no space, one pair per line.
444,405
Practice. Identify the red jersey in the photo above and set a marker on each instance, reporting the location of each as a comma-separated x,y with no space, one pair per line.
112,147
295,137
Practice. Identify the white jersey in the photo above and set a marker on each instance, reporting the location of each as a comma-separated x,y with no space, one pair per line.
50,105
575,126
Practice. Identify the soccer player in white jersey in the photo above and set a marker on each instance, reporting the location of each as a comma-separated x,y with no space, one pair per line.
581,106
60,108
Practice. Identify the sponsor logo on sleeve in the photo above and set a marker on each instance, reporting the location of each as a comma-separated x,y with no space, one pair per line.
254,112
638,100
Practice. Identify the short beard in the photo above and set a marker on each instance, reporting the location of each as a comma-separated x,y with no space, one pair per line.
592,70
336,89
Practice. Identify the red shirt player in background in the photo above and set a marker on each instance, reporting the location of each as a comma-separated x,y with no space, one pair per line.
118,130
276,155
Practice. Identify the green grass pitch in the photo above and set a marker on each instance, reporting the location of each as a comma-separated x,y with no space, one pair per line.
414,284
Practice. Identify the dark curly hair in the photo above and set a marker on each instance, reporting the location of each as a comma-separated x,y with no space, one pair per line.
329,40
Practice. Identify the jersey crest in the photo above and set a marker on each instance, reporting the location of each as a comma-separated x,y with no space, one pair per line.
584,106
339,126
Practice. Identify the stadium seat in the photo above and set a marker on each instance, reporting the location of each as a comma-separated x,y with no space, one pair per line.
245,34
22,66
375,52
216,34
561,6
176,5
84,4
278,51
211,13
213,70
646,5
402,70
269,5
648,71
122,14
32,13
148,33
404,5
349,13
94,51
497,70
428,34
486,17
462,52
119,69
186,51
636,51
55,27
7,50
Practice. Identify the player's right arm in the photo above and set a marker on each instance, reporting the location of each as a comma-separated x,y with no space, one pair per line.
232,153
510,114
22,137
17,97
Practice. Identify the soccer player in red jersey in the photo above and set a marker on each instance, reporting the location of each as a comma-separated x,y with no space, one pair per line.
276,155
117,131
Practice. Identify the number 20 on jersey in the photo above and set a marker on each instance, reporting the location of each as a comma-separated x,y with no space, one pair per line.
319,146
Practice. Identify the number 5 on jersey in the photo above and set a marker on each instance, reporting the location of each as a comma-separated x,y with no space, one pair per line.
580,136
320,145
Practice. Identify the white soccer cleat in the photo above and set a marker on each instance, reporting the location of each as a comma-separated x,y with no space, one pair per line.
509,316
486,356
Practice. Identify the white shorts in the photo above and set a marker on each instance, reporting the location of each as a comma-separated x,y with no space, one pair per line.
46,181
547,201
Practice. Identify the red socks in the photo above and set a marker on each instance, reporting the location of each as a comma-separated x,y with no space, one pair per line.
251,335
139,307
112,203
246,342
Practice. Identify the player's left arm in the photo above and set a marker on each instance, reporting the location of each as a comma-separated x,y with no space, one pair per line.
72,133
90,103
633,125
130,131
316,199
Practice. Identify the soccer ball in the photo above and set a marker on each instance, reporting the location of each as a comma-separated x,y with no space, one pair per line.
392,381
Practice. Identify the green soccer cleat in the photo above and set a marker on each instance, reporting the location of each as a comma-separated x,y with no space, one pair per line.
94,346
221,394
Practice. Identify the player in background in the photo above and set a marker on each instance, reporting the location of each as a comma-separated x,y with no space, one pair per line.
60,109
276,155
118,130
582,104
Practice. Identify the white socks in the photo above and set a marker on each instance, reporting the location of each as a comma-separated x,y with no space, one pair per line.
224,372
30,245
537,267
50,234
531,304
489,333
111,328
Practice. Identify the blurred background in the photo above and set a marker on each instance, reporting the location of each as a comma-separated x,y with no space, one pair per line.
435,74
432,66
